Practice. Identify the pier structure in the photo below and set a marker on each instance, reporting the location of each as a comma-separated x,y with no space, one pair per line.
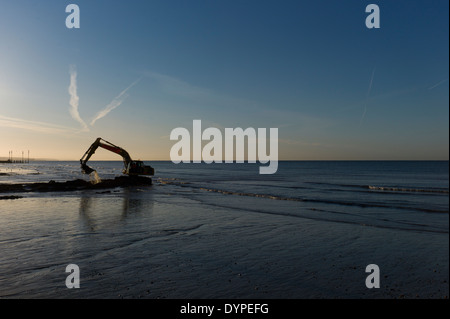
21,160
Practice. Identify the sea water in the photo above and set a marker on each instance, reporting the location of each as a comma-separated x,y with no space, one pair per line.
224,231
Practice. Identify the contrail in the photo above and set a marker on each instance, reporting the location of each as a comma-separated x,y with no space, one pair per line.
34,126
367,97
436,85
114,103
74,99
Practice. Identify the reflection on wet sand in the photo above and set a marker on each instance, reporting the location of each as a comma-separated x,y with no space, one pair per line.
112,208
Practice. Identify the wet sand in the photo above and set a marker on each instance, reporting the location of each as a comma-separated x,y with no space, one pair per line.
141,242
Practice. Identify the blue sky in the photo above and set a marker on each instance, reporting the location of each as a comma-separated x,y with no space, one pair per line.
333,88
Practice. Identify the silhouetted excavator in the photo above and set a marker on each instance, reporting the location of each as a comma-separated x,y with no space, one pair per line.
130,167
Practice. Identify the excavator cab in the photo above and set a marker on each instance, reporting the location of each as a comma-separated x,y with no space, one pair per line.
139,168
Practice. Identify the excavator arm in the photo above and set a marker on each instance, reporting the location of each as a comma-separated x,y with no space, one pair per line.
130,167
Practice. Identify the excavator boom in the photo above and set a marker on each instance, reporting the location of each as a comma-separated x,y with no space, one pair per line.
130,167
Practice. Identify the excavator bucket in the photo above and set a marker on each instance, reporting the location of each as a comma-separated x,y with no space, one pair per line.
86,169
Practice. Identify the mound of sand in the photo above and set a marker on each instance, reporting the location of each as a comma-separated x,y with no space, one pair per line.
78,184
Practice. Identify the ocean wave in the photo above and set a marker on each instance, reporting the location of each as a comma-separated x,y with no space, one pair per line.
323,201
15,173
409,190
311,200
400,189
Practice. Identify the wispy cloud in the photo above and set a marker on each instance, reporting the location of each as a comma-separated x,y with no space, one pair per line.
367,97
74,99
117,101
35,126
437,84
49,128
201,96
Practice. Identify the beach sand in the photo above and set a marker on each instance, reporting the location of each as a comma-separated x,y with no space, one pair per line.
136,243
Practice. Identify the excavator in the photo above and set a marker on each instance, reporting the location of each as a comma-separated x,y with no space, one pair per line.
131,168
